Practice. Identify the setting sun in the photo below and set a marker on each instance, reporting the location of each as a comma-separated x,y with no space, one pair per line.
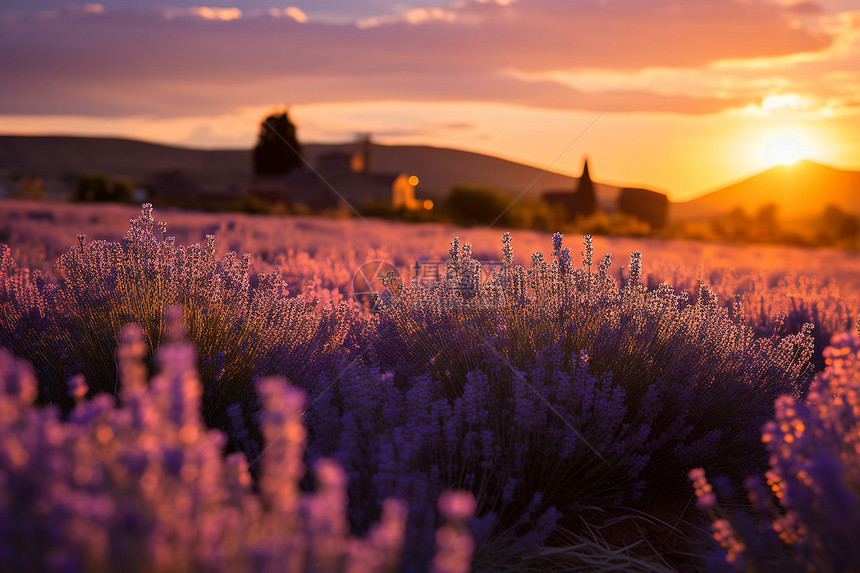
784,148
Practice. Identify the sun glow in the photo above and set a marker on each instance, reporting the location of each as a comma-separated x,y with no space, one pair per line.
784,102
786,148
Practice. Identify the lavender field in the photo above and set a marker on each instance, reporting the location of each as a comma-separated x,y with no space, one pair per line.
530,405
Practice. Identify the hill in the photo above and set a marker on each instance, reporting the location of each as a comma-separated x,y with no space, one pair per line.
799,190
56,156
438,169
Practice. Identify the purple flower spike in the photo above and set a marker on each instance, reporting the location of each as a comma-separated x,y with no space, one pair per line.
455,544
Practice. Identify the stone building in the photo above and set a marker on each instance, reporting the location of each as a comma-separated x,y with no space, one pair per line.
646,205
340,179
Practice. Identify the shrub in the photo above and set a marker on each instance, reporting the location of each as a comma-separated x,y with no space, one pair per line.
244,325
570,404
559,382
475,205
143,487
778,306
253,205
98,187
814,474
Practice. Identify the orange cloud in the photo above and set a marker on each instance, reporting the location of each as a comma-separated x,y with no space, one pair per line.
208,60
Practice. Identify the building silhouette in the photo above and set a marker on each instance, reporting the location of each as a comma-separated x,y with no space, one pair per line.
577,204
646,205
342,179
649,206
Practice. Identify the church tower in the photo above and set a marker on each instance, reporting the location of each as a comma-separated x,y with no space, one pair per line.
586,197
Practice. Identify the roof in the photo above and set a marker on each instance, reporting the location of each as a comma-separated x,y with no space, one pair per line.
641,193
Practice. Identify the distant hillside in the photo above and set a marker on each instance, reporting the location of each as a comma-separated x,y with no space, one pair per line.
438,169
800,190
57,156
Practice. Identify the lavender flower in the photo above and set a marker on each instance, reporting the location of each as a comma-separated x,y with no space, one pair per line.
453,539
814,474
550,380
103,490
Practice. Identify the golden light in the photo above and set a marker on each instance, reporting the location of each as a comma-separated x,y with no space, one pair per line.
428,204
785,147
783,101
413,180
215,13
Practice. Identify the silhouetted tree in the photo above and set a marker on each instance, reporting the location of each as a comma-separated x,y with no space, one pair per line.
475,205
835,225
278,151
766,224
734,225
97,187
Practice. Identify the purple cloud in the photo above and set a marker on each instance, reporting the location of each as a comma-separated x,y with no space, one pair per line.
175,62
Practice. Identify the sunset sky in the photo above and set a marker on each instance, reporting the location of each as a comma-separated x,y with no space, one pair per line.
681,95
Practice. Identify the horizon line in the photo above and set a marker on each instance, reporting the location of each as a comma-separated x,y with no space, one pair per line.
690,196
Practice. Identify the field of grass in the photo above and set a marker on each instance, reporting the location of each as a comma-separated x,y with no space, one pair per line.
547,411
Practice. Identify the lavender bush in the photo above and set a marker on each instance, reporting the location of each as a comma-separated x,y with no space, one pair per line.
563,369
814,445
144,487
242,323
778,305
318,258
318,253
571,404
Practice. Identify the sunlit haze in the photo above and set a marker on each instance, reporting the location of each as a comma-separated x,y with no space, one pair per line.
686,96
785,147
